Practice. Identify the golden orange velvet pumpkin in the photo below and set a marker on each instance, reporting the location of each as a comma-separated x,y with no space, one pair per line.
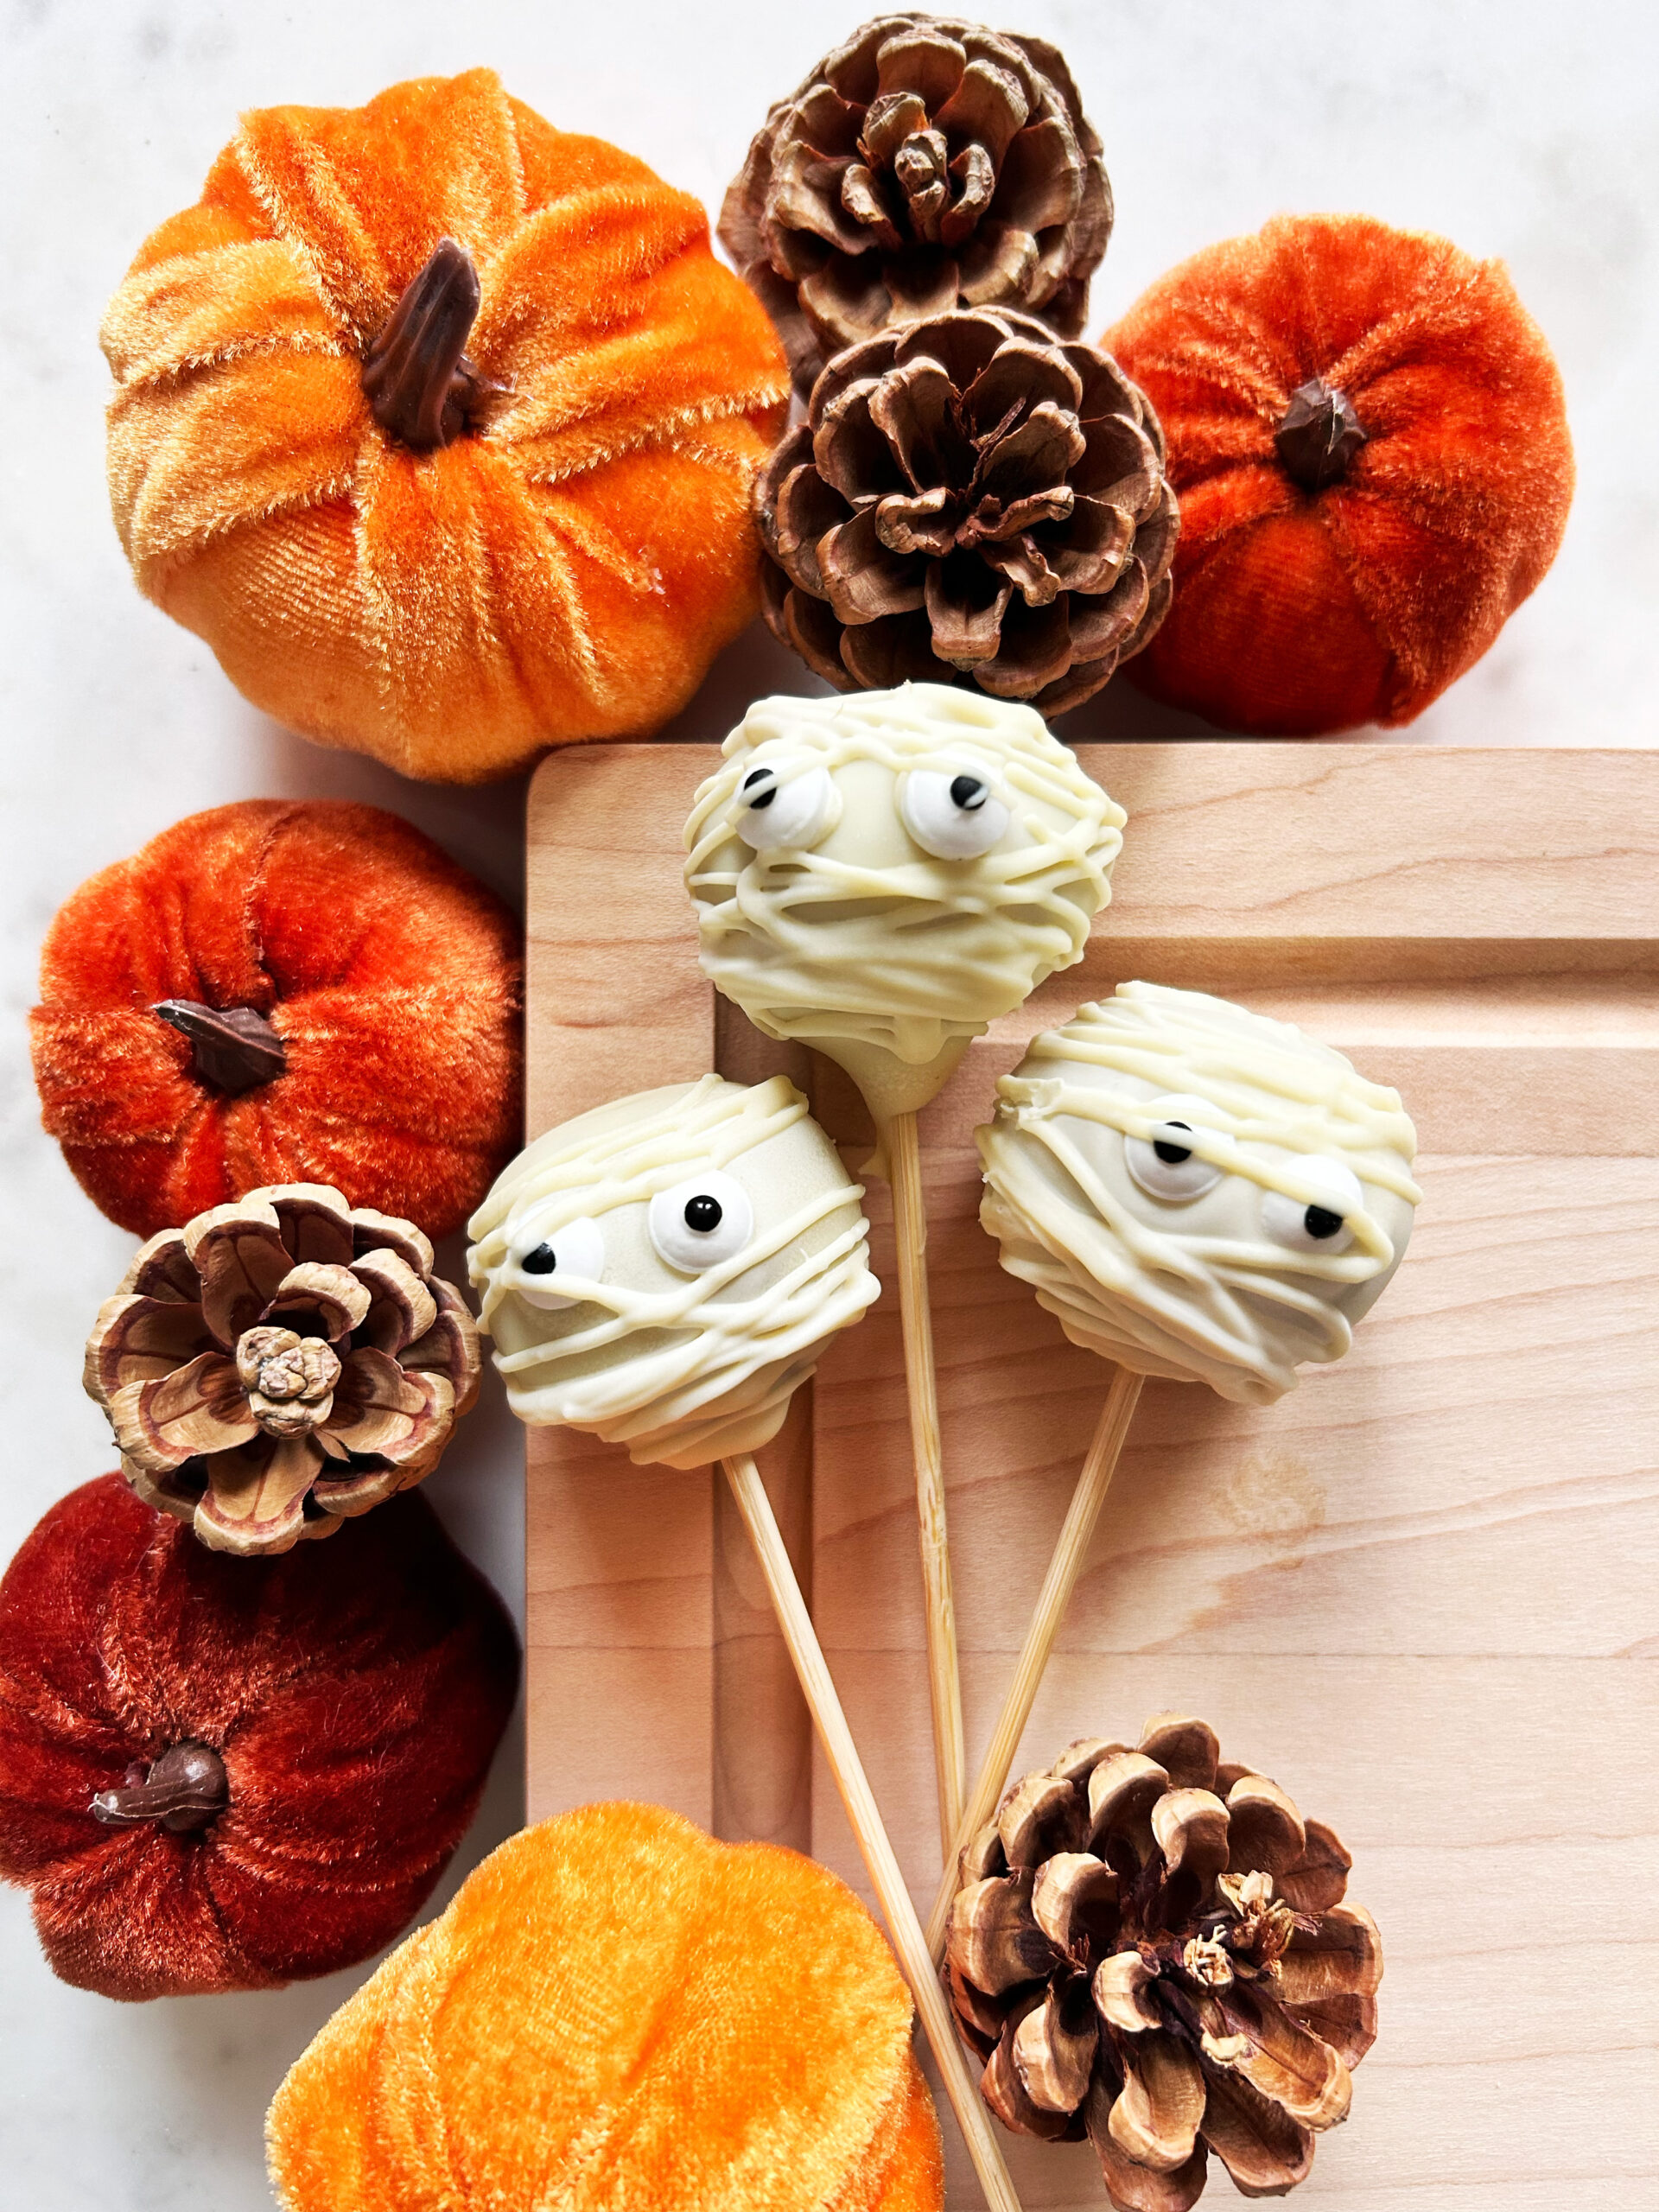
438,424
1368,434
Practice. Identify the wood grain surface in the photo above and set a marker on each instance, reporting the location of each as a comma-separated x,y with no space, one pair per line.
1422,1591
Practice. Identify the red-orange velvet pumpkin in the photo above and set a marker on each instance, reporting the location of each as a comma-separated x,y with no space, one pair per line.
229,1774
281,992
1368,433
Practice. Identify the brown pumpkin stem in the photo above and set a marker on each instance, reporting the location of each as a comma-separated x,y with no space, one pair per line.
233,1047
1318,435
420,385
185,1788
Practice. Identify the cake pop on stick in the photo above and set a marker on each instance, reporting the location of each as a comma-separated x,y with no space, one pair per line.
1194,1191
882,876
665,1272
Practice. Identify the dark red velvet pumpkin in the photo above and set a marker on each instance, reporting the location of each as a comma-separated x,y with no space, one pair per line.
220,1773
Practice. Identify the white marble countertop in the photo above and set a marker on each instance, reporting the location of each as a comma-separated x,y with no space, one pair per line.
1518,129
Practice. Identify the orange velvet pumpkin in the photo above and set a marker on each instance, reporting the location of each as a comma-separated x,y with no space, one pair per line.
618,2010
1368,433
229,1774
281,992
438,424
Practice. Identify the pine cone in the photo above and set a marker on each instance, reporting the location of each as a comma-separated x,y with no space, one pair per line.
969,493
1150,1947
922,164
279,1364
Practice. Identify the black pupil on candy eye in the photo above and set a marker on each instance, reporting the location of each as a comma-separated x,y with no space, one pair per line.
1171,1155
760,799
541,1262
702,1213
967,793
1319,1221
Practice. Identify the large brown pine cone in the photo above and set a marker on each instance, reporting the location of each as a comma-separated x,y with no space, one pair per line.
281,1364
922,164
971,493
1150,1947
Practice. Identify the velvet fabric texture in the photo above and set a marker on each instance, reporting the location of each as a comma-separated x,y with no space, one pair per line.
355,1691
567,568
617,2011
1296,612
392,977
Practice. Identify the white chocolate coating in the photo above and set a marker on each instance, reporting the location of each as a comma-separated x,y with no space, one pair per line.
683,1367
887,956
1200,1288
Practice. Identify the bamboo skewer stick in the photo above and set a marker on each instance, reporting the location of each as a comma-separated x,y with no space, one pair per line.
1100,1464
944,1679
905,1930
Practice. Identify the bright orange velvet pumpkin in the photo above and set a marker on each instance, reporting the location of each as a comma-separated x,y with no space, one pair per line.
1368,436
378,986
616,2010
438,424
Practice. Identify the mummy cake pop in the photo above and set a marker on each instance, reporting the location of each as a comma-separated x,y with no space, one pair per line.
665,1271
1197,1192
881,875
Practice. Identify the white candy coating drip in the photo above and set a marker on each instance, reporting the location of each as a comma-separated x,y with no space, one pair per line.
1196,1290
864,940
682,1367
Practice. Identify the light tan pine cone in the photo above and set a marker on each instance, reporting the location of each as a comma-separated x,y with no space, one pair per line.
1151,1948
970,500
281,1364
923,165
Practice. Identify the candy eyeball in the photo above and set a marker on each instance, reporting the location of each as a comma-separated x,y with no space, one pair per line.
1323,1225
575,1249
776,809
952,813
701,1223
1163,1163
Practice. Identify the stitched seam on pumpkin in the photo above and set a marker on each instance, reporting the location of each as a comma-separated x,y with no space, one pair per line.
1399,663
582,638
374,608
1446,295
374,622
240,349
284,228
515,155
332,491
37,1705
255,888
602,2137
654,438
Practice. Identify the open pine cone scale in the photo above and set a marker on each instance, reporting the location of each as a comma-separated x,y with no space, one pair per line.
970,494
279,1364
1150,1948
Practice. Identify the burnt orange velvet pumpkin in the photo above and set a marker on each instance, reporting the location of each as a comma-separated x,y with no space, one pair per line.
228,1774
1368,433
438,424
281,992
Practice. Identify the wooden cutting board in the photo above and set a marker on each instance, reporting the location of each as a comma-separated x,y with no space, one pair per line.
1422,1591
